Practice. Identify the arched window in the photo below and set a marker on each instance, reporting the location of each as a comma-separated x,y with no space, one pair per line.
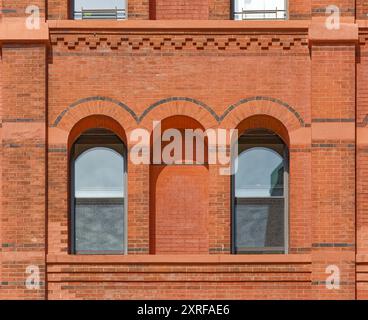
260,194
98,170
260,9
97,9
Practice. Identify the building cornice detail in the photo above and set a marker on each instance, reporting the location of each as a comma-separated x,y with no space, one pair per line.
15,29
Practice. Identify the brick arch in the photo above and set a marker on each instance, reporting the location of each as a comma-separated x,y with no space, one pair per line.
275,108
180,106
96,121
94,105
187,107
265,122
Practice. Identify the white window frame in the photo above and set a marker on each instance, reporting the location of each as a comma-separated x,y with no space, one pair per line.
236,15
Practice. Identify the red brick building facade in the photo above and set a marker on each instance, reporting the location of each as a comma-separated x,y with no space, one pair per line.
187,64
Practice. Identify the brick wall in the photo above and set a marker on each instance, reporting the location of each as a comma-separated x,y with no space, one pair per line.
200,280
346,7
333,166
58,9
23,168
182,9
181,218
310,89
139,9
219,9
361,9
300,9
362,175
194,71
17,8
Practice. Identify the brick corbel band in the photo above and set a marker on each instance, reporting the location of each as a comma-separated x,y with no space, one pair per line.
15,30
348,33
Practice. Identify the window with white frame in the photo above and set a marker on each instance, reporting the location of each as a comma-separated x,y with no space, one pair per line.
98,9
260,9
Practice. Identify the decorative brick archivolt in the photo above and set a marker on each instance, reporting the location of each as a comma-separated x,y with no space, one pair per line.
275,108
86,107
230,118
297,132
267,122
265,102
96,121
83,107
179,106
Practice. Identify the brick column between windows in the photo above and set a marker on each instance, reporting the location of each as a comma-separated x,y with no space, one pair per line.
138,227
23,160
333,161
219,206
23,192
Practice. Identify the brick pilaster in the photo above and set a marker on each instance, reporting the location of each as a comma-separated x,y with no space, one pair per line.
333,162
23,191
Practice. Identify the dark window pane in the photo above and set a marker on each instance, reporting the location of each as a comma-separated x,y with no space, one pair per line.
259,224
99,225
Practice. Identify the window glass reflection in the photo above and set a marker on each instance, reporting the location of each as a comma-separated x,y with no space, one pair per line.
99,174
260,173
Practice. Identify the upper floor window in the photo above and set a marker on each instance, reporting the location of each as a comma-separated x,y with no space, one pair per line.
260,194
98,193
97,9
260,9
